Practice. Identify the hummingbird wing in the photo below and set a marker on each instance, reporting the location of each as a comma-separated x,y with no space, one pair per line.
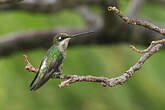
49,65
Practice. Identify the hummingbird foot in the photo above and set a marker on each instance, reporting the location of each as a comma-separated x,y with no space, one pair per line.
57,74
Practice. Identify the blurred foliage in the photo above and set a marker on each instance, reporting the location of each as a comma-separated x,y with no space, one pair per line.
143,91
154,11
20,21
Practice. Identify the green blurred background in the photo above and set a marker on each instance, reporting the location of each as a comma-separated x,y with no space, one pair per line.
144,91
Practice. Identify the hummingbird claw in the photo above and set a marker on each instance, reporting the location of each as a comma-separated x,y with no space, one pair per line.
57,74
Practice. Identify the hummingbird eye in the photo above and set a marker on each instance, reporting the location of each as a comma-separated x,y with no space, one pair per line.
61,38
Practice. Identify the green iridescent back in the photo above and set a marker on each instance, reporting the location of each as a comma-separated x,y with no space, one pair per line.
49,65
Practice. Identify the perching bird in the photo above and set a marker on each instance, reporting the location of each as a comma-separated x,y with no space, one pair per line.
52,62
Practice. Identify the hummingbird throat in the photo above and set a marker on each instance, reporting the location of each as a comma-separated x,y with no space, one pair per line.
62,46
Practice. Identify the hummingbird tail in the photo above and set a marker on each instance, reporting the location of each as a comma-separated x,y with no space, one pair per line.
36,85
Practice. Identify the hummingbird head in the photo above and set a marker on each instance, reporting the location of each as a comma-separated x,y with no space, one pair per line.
61,40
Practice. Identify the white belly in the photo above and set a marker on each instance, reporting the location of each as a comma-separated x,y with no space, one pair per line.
43,64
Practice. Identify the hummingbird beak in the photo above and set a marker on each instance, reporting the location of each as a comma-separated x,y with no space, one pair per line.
67,39
82,34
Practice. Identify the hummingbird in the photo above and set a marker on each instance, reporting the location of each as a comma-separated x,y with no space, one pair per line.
52,62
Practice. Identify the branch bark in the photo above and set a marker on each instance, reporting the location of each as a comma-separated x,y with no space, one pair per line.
153,43
137,22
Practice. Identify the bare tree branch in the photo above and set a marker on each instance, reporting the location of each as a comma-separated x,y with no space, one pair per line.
91,18
24,41
153,43
36,39
137,22
104,81
9,1
46,6
29,67
33,7
141,23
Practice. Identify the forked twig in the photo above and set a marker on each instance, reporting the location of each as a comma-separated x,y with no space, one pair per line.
141,23
29,67
153,43
137,22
